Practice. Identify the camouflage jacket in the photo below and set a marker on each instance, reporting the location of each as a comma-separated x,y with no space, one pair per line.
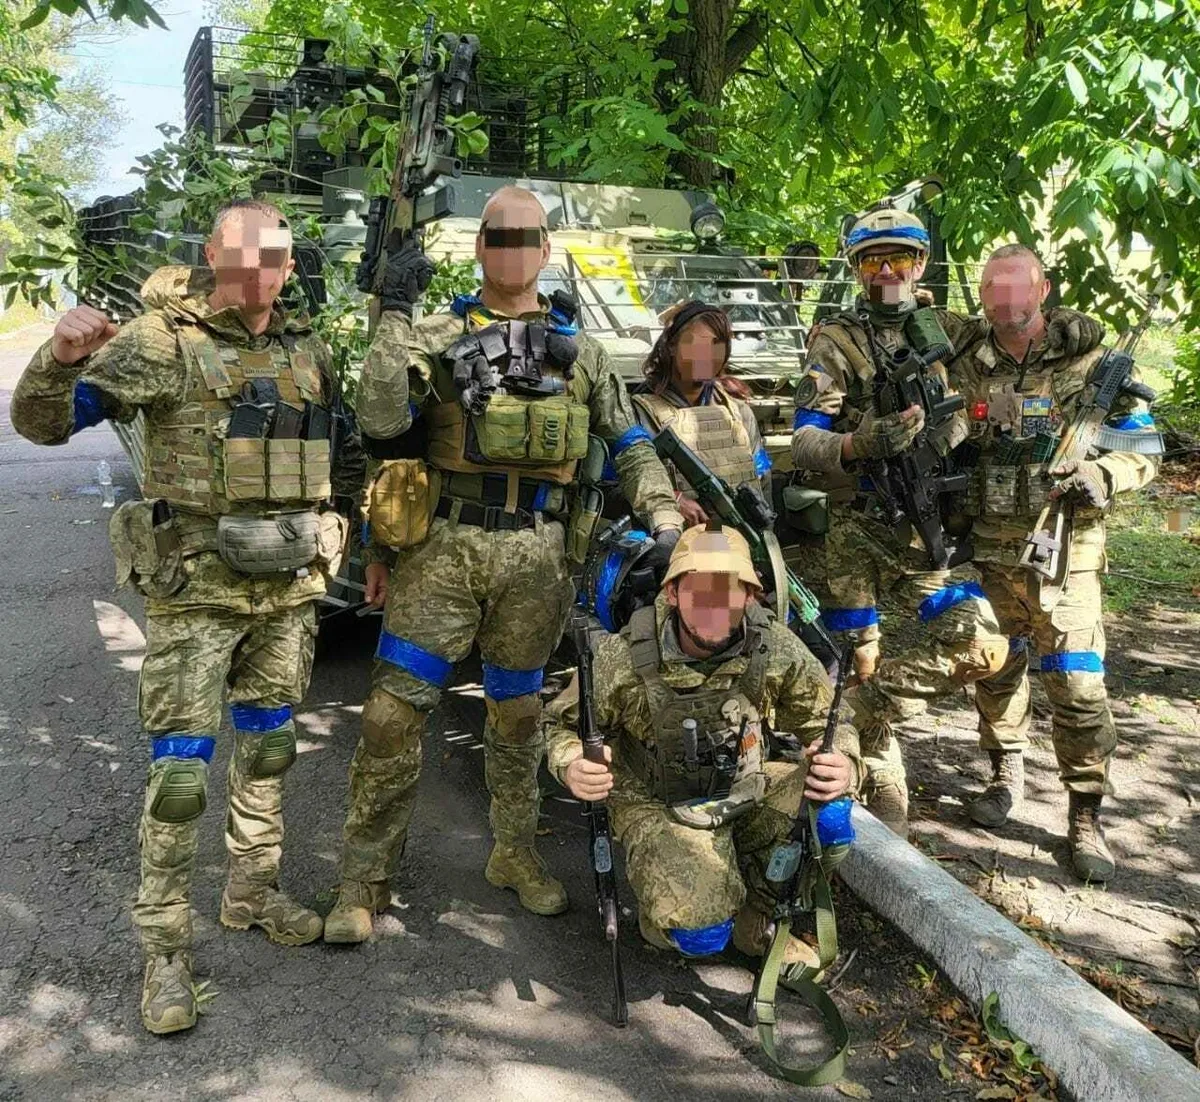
142,369
404,370
1042,393
797,693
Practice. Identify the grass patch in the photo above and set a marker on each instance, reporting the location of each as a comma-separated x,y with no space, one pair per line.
1152,564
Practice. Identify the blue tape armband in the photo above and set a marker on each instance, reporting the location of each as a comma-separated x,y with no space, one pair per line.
945,599
183,746
503,684
422,664
849,619
907,233
609,473
1139,420
834,827
635,434
762,461
257,719
703,941
1075,661
812,417
87,407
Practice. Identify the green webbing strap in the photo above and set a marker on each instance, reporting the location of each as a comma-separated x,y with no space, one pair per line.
800,980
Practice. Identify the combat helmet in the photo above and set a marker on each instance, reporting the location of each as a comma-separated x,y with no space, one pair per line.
712,549
886,226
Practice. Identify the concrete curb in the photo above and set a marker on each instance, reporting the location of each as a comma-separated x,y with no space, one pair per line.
1100,1053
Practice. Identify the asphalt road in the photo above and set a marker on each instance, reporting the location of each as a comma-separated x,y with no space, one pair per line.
460,993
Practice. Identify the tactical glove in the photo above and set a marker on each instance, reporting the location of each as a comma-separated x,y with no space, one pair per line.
659,556
407,275
1073,333
887,436
1081,481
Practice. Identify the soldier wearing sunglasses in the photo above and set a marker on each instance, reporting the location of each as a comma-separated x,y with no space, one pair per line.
497,397
836,430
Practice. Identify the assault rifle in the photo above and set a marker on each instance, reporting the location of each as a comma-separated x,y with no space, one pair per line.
600,846
910,486
749,512
797,893
1048,547
426,152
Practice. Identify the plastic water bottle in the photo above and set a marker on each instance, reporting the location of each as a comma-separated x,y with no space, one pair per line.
104,477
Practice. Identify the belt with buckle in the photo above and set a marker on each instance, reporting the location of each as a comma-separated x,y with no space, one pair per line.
488,517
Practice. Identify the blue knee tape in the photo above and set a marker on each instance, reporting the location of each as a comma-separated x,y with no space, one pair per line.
1076,661
702,942
946,598
849,619
422,664
183,746
257,719
500,683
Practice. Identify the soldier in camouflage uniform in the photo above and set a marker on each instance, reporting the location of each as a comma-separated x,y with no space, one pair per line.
1021,386
705,651
231,551
691,392
836,428
493,568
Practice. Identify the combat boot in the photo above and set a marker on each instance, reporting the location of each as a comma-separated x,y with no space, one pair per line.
168,998
1004,794
888,802
285,921
350,920
752,934
1090,856
522,869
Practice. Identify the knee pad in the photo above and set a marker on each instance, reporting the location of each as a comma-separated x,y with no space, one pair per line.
180,789
515,720
979,658
702,941
390,725
270,737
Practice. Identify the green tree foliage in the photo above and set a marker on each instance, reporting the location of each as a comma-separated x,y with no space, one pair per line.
1073,127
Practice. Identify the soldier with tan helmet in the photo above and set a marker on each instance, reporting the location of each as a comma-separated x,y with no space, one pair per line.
231,549
707,653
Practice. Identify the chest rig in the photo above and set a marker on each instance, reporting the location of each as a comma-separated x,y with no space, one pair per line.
703,754
195,462
513,413
714,431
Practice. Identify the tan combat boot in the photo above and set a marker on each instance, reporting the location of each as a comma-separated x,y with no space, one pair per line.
350,920
522,869
285,921
1090,855
752,935
168,999
1004,794
888,802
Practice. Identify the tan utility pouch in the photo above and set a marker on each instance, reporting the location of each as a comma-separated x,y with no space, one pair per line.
269,545
245,468
150,556
276,470
400,501
332,534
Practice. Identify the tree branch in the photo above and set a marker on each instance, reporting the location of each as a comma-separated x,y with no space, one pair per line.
744,41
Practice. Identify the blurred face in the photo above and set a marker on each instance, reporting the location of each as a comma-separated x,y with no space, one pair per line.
889,274
513,245
251,257
710,607
1012,290
699,355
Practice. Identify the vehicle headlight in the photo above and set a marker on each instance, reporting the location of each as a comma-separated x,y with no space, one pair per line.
708,220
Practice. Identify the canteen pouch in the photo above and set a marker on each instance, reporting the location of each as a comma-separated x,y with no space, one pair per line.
148,554
269,545
400,501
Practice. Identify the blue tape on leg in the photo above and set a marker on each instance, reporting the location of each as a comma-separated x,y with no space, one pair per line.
504,684
702,942
1076,661
804,417
422,664
635,434
834,827
849,619
257,719
946,598
183,746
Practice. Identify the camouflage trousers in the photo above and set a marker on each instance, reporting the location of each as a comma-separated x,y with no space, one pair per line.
1070,644
960,640
686,878
510,593
194,660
